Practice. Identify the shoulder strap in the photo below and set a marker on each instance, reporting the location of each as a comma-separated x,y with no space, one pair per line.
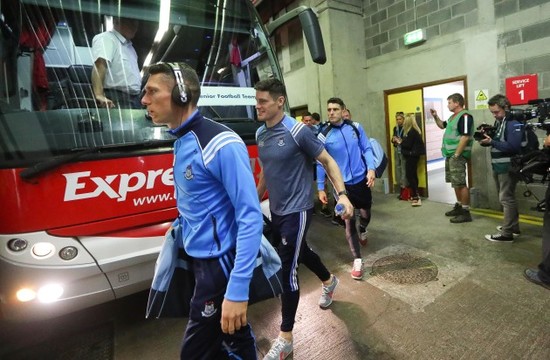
350,123
326,129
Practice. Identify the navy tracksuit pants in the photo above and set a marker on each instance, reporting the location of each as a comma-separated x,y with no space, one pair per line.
203,338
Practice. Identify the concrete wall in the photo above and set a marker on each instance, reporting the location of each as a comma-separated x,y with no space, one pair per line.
484,40
494,40
342,26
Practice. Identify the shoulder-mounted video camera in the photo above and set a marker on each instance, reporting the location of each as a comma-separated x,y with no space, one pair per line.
537,162
539,109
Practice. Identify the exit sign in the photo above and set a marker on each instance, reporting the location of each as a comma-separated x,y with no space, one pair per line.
415,37
521,89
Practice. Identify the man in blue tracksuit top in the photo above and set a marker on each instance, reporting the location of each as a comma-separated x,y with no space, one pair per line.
219,214
348,144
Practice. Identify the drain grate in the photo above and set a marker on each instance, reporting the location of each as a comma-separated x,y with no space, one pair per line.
405,269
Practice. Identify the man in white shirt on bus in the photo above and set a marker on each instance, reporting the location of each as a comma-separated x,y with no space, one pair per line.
116,79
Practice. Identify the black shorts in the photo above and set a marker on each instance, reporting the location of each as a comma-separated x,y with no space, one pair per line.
360,195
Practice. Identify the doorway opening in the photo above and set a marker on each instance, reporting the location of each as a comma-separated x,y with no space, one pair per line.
419,99
299,112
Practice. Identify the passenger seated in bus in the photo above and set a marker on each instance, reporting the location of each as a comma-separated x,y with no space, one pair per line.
116,80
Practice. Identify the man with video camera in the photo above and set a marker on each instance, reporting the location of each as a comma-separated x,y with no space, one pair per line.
504,139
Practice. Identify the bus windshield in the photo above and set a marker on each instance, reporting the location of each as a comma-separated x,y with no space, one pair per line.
87,179
47,103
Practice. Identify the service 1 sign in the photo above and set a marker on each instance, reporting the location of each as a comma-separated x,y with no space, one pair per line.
521,89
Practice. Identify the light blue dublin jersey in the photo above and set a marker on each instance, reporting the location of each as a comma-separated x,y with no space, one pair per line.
286,152
216,197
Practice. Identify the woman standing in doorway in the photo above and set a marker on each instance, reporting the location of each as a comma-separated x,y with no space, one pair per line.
399,158
412,147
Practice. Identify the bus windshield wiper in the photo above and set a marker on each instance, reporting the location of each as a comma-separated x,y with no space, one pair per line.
50,164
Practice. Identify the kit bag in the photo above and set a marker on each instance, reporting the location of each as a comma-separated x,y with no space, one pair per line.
380,158
173,282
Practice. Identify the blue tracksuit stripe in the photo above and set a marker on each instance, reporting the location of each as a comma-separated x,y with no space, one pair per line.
225,267
297,128
226,263
300,236
293,127
218,142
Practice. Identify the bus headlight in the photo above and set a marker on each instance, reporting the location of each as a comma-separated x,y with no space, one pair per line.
17,244
68,253
25,295
50,293
42,249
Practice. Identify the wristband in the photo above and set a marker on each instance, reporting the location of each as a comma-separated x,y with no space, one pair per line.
343,192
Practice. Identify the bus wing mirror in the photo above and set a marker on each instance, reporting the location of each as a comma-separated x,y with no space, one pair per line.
310,27
314,38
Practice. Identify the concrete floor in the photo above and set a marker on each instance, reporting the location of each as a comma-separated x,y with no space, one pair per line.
478,307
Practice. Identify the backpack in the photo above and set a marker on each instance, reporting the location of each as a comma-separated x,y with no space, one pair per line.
529,140
527,163
380,158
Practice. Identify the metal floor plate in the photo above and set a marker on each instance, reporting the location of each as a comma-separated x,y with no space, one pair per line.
405,269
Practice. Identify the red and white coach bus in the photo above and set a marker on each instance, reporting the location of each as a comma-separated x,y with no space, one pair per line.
86,192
